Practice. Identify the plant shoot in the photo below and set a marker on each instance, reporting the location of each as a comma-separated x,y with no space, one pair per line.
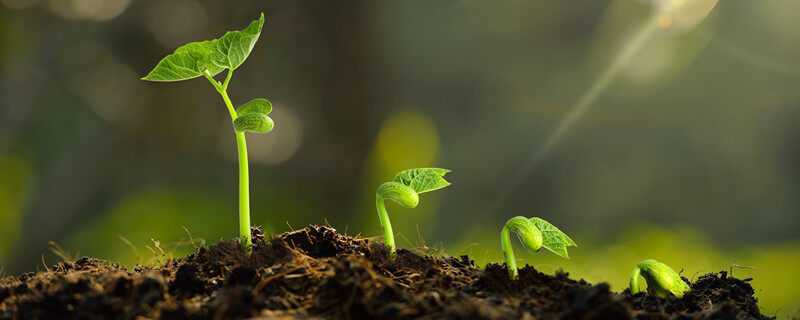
208,59
659,277
405,190
534,233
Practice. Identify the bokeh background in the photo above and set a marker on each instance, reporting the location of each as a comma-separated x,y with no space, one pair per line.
666,129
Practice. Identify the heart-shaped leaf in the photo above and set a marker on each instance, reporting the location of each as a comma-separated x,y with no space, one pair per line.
189,61
233,48
423,179
214,56
254,122
552,238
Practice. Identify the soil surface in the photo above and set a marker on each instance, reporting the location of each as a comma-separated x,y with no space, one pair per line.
317,273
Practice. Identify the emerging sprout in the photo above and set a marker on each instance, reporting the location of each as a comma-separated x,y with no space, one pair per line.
208,59
659,277
534,233
405,190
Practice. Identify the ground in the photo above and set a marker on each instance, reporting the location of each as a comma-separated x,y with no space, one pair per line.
317,273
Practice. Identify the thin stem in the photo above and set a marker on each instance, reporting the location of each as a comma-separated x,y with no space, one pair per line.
227,80
215,83
244,196
388,234
228,104
244,183
508,253
528,234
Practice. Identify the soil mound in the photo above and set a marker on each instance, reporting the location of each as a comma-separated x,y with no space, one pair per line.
317,273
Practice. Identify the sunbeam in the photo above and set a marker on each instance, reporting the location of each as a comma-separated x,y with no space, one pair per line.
662,17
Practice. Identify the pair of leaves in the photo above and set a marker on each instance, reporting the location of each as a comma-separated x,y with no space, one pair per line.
213,56
423,179
252,116
552,238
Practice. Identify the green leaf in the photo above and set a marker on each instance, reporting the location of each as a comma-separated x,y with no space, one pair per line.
552,238
234,47
214,56
254,122
262,106
423,179
189,61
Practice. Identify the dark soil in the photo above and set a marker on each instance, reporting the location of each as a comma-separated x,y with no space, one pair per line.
317,273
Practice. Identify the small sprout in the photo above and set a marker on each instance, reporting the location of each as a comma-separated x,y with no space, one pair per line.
405,190
659,277
208,59
534,233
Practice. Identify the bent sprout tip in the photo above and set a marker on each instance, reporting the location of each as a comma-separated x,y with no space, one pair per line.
534,233
405,189
659,277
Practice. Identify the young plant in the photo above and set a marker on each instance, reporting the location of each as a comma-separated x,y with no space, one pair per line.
659,277
534,233
405,190
208,59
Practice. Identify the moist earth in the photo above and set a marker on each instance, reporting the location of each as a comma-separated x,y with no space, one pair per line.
317,273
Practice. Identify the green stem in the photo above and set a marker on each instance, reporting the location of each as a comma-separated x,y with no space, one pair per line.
228,104
244,183
214,83
388,234
508,253
227,80
244,196
634,284
528,234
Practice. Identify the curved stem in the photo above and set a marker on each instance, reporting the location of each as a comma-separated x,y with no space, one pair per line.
508,253
528,234
388,234
634,283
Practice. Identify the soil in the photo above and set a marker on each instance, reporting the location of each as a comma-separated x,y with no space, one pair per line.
317,273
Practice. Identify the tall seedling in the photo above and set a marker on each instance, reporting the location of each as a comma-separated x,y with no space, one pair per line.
208,59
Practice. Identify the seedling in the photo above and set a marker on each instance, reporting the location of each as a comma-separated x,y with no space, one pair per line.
405,190
659,277
534,233
208,59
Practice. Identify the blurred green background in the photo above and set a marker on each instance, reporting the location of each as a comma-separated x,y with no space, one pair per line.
645,129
